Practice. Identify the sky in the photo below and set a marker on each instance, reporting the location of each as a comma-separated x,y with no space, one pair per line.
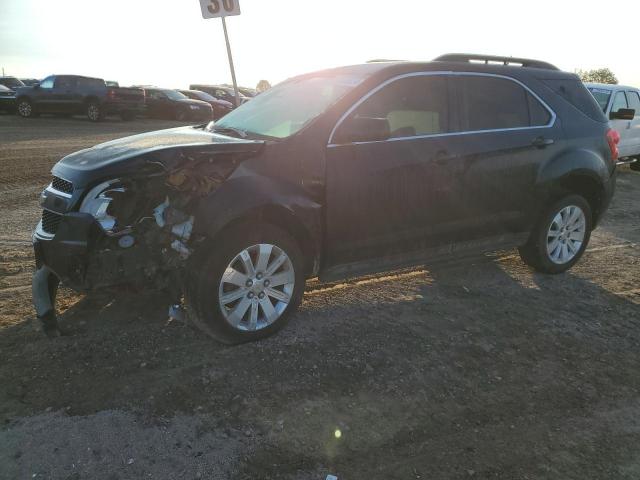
167,42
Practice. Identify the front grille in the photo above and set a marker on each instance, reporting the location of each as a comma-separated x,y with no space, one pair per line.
50,221
62,185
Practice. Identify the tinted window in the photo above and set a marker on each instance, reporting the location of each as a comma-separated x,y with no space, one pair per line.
47,82
65,82
90,82
154,94
619,101
490,103
602,97
573,91
412,106
634,102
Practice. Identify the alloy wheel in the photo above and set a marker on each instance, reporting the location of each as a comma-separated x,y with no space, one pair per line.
566,234
256,287
25,109
93,112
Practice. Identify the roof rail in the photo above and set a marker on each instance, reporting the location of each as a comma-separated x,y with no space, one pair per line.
493,59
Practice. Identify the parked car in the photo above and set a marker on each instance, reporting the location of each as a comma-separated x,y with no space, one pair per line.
11,82
167,103
220,107
246,91
621,105
7,99
220,92
29,82
75,94
335,174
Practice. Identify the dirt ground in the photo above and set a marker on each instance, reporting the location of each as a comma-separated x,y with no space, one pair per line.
481,370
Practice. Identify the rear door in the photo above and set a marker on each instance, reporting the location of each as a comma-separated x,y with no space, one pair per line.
505,133
395,195
62,96
633,98
623,127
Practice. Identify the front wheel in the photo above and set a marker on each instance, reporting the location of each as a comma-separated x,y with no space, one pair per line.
248,283
560,237
25,108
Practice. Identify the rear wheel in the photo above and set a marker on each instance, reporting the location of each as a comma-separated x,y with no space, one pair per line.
94,112
25,108
560,237
248,285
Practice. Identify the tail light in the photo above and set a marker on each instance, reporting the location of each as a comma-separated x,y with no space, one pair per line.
613,138
111,94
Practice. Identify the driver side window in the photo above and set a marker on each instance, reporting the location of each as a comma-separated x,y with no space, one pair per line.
412,106
47,83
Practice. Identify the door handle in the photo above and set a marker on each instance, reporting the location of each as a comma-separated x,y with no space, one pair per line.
542,142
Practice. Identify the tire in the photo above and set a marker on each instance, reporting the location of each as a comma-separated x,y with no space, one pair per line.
25,109
542,253
251,311
94,112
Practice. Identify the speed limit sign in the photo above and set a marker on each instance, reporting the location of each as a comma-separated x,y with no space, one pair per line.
219,8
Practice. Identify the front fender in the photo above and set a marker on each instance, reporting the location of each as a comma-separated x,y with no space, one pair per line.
274,200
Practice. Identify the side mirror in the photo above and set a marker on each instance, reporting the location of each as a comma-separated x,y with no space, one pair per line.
363,129
623,114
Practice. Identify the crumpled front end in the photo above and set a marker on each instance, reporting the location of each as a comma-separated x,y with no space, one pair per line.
137,229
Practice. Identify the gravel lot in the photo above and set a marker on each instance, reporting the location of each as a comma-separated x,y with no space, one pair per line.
481,370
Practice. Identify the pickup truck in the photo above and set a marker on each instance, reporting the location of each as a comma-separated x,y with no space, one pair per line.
74,94
621,105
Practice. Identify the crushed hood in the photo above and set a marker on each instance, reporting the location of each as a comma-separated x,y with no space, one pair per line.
120,156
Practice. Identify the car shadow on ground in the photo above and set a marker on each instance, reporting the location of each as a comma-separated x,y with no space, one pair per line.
483,364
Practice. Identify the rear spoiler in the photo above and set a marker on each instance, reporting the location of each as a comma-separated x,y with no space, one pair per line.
493,60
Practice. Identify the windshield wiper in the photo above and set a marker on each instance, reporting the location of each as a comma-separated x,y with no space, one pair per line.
226,130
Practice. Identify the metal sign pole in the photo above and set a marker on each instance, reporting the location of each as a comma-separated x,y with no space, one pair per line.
233,71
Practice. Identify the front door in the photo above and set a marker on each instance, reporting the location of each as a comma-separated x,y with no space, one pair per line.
633,99
393,195
623,127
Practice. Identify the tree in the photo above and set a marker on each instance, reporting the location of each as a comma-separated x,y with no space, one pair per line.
263,85
598,75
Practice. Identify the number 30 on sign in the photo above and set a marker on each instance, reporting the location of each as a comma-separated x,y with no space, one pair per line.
219,8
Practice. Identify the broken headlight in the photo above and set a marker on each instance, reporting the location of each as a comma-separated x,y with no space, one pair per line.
98,201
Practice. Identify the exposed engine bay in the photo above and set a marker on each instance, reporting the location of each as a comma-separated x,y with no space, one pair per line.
137,229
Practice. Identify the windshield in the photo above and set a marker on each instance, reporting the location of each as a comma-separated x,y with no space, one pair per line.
11,82
173,95
285,109
602,97
203,96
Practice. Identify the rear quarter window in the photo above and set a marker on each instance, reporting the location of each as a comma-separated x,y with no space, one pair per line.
573,91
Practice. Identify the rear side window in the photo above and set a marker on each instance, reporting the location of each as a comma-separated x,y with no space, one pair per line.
634,102
490,103
65,82
619,101
573,91
413,106
90,83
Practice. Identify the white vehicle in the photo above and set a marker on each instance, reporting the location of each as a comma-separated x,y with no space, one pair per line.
621,105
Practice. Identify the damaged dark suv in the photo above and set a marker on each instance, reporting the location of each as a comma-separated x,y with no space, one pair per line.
332,174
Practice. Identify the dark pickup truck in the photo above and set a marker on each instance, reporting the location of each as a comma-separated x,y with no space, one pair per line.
74,94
